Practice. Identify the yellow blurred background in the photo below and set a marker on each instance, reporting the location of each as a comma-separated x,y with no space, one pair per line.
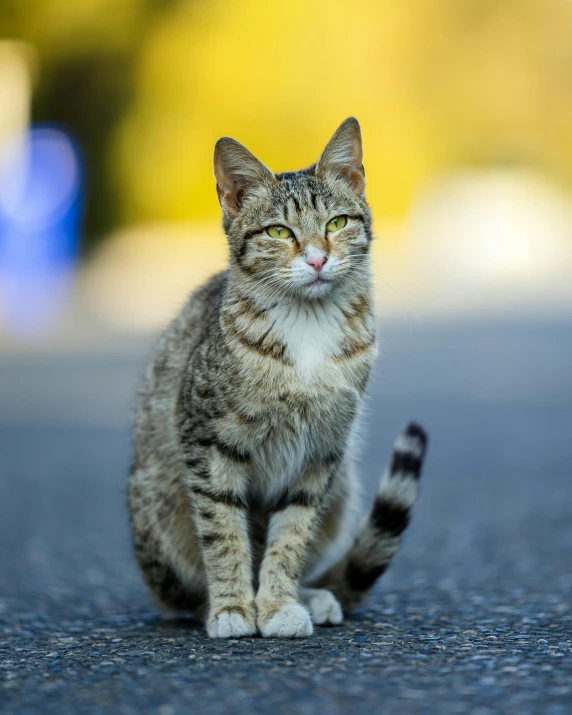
465,107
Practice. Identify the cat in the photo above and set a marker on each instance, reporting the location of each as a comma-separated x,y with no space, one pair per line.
243,495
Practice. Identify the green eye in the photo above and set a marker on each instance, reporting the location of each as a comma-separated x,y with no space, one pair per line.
336,224
278,232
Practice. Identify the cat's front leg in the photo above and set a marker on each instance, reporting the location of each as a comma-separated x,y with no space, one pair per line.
222,525
290,530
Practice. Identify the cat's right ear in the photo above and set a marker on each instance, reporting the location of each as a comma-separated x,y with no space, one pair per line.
237,171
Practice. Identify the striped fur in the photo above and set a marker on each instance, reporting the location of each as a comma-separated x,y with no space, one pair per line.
243,489
379,537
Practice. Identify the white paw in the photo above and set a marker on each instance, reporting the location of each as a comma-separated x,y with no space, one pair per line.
292,621
324,607
229,625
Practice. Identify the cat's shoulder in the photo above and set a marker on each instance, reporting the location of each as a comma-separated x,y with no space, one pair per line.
204,301
211,291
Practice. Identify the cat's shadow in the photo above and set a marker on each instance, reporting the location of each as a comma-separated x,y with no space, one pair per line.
173,624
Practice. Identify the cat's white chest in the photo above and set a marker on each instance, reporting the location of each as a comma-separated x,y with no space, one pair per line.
312,333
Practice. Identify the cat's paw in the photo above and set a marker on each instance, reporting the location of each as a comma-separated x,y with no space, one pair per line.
292,621
229,625
323,606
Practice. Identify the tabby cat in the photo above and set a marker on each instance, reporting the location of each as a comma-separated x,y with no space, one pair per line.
243,494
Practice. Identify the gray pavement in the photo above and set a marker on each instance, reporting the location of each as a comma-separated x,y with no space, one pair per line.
474,616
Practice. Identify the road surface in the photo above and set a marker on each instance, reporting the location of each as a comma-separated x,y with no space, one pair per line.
475,614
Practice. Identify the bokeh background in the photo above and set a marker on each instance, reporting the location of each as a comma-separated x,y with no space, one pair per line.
466,110
109,112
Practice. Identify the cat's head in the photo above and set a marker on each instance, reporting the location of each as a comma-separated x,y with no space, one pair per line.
298,233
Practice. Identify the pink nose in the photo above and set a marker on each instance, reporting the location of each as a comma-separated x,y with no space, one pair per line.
317,262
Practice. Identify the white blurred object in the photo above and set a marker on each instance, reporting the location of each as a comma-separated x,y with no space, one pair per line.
492,239
15,100
15,90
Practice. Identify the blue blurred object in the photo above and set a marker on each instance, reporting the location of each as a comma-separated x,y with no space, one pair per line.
40,218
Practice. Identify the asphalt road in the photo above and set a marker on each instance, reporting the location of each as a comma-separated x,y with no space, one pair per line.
474,616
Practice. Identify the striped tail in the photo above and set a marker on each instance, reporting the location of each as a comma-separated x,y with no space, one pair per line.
379,537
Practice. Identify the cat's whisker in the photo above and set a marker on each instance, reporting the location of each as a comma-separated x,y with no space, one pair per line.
273,291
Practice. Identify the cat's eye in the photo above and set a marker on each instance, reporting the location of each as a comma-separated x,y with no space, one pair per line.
278,232
336,224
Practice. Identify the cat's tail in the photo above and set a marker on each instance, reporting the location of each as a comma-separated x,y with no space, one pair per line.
380,534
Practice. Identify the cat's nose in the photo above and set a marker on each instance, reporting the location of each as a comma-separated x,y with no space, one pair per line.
317,260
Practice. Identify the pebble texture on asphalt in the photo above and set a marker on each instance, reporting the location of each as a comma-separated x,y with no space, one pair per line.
474,616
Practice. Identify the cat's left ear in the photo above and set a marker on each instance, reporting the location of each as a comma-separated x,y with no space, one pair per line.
237,173
343,157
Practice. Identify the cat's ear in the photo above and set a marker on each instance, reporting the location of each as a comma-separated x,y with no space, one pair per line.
237,171
343,157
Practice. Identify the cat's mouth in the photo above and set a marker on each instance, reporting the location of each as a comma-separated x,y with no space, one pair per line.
317,280
317,287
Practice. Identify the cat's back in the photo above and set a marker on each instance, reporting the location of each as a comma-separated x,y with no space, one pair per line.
159,387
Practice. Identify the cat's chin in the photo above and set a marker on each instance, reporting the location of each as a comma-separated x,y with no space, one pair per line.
315,290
